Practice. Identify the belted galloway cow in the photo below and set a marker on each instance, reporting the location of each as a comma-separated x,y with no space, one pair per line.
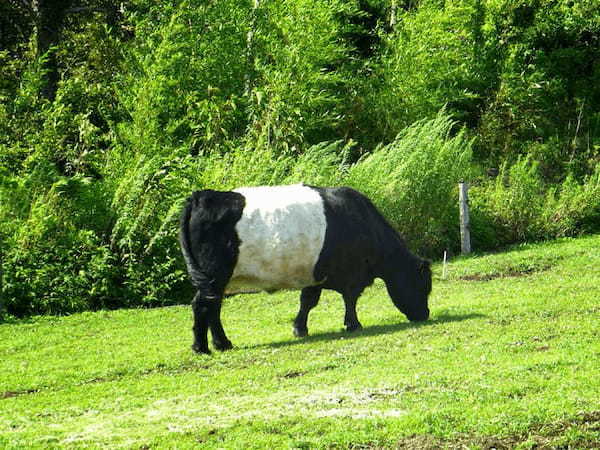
294,237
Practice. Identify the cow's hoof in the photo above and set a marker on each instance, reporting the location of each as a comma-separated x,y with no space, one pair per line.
300,332
353,327
223,345
201,349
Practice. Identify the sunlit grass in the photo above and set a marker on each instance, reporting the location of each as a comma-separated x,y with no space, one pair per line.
511,357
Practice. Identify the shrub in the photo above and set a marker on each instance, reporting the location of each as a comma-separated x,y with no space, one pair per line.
514,200
433,58
572,207
56,264
518,206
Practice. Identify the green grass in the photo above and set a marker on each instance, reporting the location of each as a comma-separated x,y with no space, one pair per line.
510,358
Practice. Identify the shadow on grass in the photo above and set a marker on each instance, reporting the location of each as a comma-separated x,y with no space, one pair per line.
374,330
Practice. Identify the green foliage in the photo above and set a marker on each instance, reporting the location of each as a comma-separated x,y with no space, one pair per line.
547,82
324,164
516,199
158,99
299,84
54,264
428,62
572,208
177,90
520,206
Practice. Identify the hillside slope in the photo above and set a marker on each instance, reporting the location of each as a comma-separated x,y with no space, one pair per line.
510,357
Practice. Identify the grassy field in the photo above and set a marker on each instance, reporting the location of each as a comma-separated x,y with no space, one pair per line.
510,358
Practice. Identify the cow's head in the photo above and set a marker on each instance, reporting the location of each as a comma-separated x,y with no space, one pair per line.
409,289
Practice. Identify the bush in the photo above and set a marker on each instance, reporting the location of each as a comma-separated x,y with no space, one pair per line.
515,200
519,206
56,264
546,93
572,208
95,251
166,97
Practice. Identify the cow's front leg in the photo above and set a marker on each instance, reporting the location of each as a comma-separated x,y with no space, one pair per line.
201,309
309,297
219,338
350,317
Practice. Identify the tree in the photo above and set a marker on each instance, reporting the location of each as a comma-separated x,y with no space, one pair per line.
49,19
16,23
44,21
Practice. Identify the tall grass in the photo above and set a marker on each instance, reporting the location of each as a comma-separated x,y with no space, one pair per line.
413,181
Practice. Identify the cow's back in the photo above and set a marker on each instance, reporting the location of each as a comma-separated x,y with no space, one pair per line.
281,232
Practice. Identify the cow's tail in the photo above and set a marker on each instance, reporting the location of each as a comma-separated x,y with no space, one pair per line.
197,276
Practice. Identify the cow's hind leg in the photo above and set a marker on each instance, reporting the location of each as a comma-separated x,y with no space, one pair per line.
219,338
201,309
309,297
350,317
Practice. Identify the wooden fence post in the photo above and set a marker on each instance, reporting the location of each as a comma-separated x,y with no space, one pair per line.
465,234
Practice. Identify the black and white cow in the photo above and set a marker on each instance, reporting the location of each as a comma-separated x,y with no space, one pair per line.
294,237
